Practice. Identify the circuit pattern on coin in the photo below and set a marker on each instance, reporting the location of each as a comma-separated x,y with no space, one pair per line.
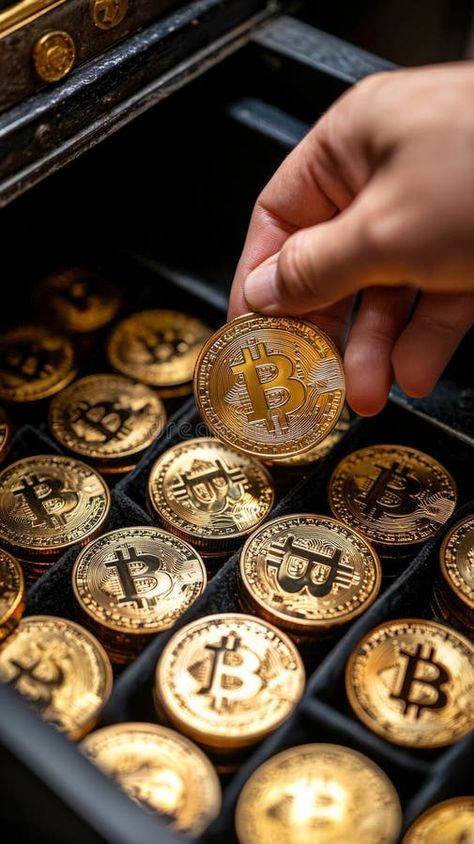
271,386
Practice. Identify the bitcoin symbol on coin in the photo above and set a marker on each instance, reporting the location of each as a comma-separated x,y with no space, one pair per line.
26,361
394,491
162,346
273,389
103,419
234,673
211,490
37,680
145,570
46,500
414,677
302,568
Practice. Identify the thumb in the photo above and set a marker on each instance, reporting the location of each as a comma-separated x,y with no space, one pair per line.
323,264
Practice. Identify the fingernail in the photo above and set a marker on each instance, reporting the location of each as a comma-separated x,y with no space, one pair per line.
259,287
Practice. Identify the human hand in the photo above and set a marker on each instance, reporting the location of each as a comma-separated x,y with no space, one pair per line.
379,198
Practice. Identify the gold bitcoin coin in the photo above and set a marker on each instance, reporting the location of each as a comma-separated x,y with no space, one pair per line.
392,494
34,364
77,300
309,573
48,503
210,494
160,770
106,417
297,462
270,386
158,348
12,593
318,793
457,561
132,583
5,435
412,682
228,680
451,822
61,670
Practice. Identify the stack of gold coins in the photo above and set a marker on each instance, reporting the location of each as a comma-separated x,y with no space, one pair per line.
451,822
158,348
270,386
210,495
12,593
453,591
396,496
161,771
5,435
318,793
47,504
227,681
34,364
76,300
310,575
411,682
133,583
288,470
108,420
61,669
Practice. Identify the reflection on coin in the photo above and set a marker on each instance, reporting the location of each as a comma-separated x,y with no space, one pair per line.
160,770
299,461
158,348
106,417
270,386
412,681
77,300
309,573
5,435
392,494
210,494
451,822
322,793
34,363
136,582
60,669
49,502
228,680
12,593
457,561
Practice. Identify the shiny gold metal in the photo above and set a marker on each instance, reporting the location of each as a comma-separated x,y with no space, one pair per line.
34,363
77,300
106,14
134,582
20,14
270,386
5,435
160,770
309,574
53,56
411,681
297,462
158,348
106,418
457,562
228,680
393,494
48,503
323,793
210,494
12,593
450,822
60,669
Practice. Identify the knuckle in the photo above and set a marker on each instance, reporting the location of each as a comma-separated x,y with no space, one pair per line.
294,273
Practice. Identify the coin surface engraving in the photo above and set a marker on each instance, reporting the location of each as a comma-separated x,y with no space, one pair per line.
60,669
77,300
412,681
392,494
451,822
270,386
457,561
12,593
34,363
318,793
